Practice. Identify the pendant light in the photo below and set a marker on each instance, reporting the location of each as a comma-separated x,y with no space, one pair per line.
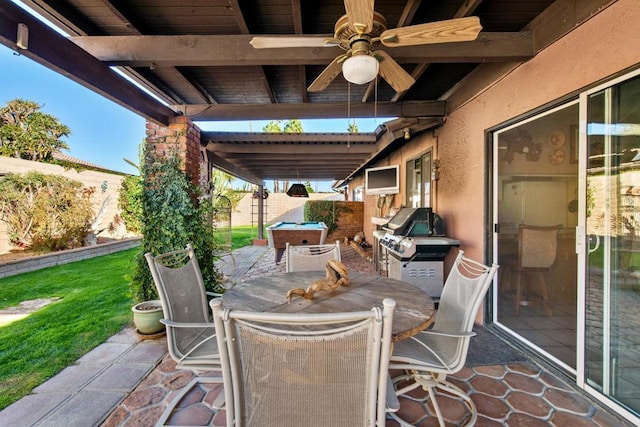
297,190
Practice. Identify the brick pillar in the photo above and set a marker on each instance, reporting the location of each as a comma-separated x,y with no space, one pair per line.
181,137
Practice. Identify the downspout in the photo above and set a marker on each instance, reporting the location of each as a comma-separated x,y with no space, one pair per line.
261,212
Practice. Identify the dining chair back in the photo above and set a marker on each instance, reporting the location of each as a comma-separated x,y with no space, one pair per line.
537,251
191,334
305,369
310,257
431,355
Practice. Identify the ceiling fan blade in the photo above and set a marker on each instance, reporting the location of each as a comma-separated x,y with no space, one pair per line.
393,73
269,42
360,13
327,75
452,30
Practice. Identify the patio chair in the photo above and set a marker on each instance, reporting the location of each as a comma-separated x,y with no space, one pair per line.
310,257
305,369
537,251
430,356
191,334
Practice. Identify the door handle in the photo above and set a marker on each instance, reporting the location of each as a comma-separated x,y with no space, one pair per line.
593,237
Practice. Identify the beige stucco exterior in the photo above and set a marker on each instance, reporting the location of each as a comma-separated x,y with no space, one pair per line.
605,45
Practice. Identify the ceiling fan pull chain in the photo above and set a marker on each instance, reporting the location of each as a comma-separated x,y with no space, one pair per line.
348,113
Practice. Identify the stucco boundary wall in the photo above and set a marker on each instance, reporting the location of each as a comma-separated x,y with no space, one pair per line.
89,178
38,262
278,207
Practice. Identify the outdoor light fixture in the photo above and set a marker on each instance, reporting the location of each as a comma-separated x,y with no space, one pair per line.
407,133
297,190
360,69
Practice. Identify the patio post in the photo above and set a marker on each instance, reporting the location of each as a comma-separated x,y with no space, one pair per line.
182,138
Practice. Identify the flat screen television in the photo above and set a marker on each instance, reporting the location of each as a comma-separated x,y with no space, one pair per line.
382,180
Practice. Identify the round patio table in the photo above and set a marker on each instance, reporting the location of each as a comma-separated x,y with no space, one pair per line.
414,308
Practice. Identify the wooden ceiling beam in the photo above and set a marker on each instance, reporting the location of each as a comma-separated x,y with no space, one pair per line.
345,157
311,111
554,22
235,50
136,27
244,29
234,170
467,8
57,53
296,13
306,138
315,150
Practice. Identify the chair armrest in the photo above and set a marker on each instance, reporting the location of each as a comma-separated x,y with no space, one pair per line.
174,324
393,404
449,334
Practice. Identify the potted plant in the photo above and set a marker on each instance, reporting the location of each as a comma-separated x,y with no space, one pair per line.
146,317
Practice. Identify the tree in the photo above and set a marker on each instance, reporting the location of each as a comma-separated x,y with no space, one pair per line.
293,126
27,133
353,127
290,126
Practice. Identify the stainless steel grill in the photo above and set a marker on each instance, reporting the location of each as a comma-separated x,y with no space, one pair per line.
412,249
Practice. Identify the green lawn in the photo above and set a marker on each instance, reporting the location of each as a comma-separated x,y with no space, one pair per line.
94,305
244,235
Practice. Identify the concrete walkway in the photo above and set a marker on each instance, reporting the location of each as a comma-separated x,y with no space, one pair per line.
85,393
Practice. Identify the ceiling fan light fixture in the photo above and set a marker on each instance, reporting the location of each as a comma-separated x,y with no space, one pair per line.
360,69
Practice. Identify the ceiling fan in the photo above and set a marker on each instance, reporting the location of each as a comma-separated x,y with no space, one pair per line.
360,33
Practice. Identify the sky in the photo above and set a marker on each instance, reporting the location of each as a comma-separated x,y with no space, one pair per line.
103,132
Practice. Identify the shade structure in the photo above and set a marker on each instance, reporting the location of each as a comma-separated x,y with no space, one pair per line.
297,190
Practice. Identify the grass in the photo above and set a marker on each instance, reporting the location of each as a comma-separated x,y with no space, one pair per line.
94,305
243,235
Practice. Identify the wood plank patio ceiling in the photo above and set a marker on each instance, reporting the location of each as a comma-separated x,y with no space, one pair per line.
194,57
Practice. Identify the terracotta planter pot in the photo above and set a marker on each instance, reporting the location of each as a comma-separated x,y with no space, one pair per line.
146,317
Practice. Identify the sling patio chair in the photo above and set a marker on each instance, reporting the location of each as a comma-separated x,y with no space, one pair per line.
305,369
191,334
431,355
310,257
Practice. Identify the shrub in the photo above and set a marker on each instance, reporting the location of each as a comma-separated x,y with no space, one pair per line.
130,203
45,212
327,211
173,217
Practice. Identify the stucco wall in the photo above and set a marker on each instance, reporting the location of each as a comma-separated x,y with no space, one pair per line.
588,54
89,178
278,207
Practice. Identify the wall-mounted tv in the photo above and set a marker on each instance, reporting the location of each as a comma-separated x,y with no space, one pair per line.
382,180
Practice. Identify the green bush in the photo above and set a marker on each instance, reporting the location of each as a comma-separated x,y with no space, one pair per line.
327,211
172,217
130,203
45,212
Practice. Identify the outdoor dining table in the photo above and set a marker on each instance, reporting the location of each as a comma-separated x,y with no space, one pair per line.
414,308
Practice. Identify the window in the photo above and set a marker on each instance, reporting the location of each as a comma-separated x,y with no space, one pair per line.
356,195
419,182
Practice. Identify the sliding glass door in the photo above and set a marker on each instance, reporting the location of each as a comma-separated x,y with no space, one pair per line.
612,252
536,190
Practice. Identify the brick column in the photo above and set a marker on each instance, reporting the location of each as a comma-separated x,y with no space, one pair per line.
181,137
